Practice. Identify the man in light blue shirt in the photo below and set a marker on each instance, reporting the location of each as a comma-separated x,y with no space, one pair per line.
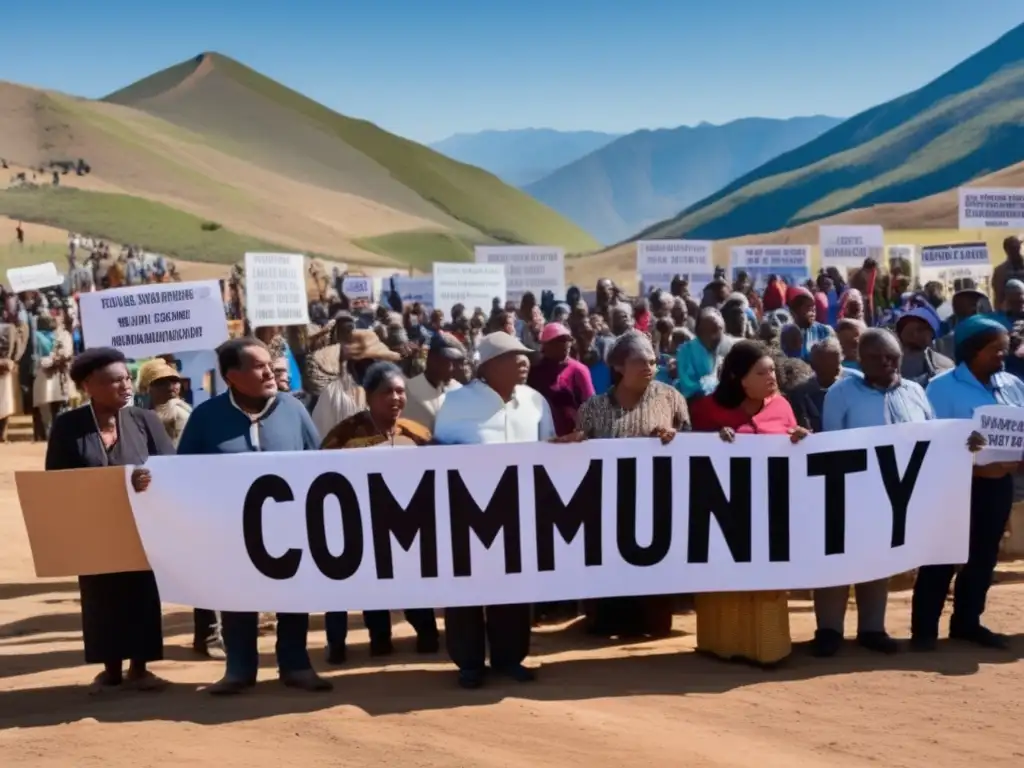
878,398
981,345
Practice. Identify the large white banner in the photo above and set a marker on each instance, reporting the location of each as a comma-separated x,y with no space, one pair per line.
991,208
472,285
34,277
484,525
160,319
658,261
275,289
534,268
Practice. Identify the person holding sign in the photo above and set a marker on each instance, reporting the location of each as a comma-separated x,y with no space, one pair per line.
981,345
881,396
635,406
494,408
253,416
121,616
380,425
747,401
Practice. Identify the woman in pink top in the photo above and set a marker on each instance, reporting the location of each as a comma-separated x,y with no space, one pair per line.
565,383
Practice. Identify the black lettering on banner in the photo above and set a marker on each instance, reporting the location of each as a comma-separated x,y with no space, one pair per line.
900,489
834,466
263,488
661,510
778,509
582,511
342,566
707,498
500,516
388,518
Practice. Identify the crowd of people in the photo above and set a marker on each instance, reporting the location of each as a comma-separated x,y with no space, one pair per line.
792,360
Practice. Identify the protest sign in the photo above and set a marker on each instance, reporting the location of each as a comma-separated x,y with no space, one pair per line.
902,259
472,285
846,247
34,277
358,288
275,289
411,290
1002,426
950,264
792,263
658,261
159,319
991,208
534,268
529,522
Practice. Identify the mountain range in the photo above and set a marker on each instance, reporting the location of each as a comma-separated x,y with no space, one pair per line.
520,157
966,123
195,158
646,176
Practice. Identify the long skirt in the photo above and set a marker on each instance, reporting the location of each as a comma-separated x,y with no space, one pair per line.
630,616
121,617
746,626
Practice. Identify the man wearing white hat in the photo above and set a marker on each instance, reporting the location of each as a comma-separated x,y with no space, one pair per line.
497,407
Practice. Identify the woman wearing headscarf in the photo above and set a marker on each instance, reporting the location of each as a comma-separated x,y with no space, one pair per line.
121,617
698,360
978,380
52,388
774,294
635,406
745,625
344,396
380,425
160,382
805,318
851,305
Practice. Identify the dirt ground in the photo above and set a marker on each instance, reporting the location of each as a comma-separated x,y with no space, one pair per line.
648,704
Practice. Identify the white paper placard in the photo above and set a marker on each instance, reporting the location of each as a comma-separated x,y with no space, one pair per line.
533,268
846,247
160,319
275,289
34,277
659,261
991,208
472,285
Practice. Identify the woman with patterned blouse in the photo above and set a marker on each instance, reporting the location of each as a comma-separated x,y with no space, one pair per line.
635,406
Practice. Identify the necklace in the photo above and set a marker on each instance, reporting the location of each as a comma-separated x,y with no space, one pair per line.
390,437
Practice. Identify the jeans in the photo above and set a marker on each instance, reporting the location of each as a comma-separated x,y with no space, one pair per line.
379,625
991,501
239,631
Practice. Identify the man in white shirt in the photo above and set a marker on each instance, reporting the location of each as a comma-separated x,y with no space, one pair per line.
425,393
494,408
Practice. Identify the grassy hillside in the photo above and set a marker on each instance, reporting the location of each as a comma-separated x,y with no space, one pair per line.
966,123
647,175
214,95
126,219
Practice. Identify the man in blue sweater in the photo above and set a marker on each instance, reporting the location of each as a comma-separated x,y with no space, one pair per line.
253,416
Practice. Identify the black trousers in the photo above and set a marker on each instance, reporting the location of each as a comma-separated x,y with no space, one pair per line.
991,501
379,625
469,631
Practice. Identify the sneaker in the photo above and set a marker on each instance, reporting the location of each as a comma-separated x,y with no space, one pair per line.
879,642
827,643
982,636
306,680
230,686
517,672
471,679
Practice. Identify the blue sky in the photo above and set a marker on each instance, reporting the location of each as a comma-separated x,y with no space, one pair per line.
430,68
